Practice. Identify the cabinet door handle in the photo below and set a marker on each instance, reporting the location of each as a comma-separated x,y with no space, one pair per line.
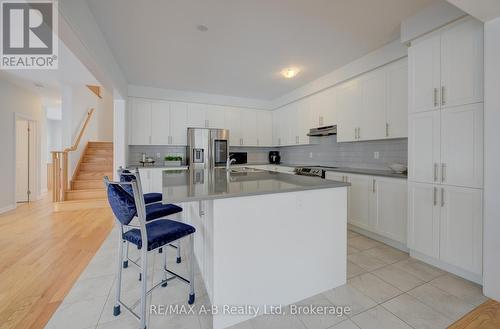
435,196
442,197
436,91
320,120
279,141
443,172
373,186
359,133
443,97
436,169
386,129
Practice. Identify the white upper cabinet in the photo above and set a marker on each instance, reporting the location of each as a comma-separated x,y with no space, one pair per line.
462,146
372,115
321,108
196,116
160,123
348,105
248,128
140,122
214,116
424,67
264,128
397,100
446,67
178,123
461,231
233,123
424,147
374,106
462,63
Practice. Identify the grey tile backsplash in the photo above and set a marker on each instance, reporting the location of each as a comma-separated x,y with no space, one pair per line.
325,151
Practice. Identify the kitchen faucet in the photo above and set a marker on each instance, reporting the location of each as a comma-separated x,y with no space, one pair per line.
229,162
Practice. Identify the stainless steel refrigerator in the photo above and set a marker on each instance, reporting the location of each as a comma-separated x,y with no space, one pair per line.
207,148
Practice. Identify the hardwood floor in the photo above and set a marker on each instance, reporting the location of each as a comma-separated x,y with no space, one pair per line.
43,253
485,316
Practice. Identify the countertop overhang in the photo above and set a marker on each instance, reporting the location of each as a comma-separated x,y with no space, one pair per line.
203,184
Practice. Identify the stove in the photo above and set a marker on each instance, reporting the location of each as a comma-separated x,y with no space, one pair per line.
310,171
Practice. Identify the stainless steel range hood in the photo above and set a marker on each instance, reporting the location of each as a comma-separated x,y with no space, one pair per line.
323,131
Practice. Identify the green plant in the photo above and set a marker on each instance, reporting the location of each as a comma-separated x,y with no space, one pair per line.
173,158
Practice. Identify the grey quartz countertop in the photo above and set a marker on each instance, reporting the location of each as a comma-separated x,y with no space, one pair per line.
194,185
360,171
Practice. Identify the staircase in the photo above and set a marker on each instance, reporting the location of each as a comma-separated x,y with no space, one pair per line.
87,186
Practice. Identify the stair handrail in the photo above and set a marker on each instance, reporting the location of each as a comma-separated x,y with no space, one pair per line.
60,175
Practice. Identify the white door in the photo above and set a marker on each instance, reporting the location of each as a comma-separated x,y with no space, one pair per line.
233,123
424,69
423,218
321,107
248,127
22,161
160,123
372,117
424,134
292,115
391,197
285,125
359,201
462,63
462,145
348,109
178,123
140,122
461,228
264,128
197,116
397,100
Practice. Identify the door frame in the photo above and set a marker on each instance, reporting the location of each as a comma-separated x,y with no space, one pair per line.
35,156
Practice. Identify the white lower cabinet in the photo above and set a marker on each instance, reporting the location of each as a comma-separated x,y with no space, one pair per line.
445,223
376,204
391,202
423,219
359,201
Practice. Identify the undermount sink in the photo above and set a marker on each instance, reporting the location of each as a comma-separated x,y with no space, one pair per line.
244,170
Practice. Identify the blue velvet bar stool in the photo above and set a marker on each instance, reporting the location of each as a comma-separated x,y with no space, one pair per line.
148,236
154,208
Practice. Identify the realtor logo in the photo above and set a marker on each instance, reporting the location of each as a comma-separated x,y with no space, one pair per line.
28,36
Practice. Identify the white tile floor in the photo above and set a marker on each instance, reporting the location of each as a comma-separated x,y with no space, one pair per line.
385,289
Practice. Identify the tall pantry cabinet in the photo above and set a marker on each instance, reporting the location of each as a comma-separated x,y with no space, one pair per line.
445,147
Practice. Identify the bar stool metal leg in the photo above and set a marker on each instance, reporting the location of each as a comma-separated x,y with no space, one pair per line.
179,259
191,271
125,262
116,308
165,282
144,288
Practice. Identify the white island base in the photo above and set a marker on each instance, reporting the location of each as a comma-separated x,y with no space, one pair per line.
270,249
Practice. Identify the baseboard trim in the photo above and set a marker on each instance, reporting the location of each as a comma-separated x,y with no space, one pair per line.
447,267
380,238
7,208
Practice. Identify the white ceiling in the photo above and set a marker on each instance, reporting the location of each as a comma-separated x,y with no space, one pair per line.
248,42
48,83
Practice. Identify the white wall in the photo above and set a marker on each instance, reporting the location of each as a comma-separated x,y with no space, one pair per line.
13,99
105,109
119,140
491,256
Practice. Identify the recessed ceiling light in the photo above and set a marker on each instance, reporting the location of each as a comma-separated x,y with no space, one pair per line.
202,28
290,72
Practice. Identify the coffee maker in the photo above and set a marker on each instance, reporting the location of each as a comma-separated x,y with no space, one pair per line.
274,157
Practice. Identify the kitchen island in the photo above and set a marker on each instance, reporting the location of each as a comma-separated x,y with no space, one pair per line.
262,238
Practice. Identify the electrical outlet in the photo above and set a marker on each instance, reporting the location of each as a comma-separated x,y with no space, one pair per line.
310,155
158,155
376,155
